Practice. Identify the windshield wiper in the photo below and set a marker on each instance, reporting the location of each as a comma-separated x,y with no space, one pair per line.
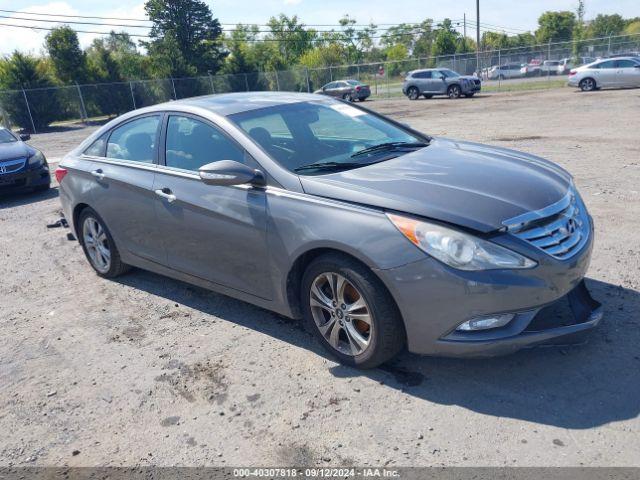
329,166
389,146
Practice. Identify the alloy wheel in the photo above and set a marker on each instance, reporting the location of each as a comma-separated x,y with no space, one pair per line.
587,85
454,91
413,93
341,313
97,244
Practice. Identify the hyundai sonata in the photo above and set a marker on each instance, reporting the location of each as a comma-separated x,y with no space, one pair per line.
377,235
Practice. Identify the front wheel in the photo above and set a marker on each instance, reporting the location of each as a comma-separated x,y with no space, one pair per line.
413,93
351,312
587,84
98,245
454,91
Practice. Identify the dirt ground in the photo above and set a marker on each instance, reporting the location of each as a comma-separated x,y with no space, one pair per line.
150,371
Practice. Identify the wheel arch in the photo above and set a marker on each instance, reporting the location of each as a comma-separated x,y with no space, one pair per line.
77,211
303,260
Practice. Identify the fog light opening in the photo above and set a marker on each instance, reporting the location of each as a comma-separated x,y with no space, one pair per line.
485,323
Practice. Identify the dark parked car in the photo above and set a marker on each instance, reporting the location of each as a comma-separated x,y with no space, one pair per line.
349,90
377,235
439,81
21,166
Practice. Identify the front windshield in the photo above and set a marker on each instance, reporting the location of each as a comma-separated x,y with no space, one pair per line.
449,73
6,136
298,135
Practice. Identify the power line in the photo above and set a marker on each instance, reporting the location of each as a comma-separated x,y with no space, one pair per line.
318,39
231,24
356,30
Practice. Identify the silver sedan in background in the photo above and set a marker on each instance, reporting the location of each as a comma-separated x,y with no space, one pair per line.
606,73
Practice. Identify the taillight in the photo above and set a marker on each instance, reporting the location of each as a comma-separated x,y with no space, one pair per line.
61,173
572,72
358,88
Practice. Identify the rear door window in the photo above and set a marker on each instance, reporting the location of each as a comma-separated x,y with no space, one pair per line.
135,140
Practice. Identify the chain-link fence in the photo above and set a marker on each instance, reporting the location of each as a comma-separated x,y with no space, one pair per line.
504,69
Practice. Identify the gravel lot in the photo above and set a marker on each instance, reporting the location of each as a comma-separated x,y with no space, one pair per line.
150,371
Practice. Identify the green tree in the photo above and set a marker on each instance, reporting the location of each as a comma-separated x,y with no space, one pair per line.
632,28
292,38
24,71
68,59
357,41
605,25
446,39
555,26
184,34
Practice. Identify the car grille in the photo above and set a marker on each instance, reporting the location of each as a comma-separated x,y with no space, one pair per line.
560,230
476,81
10,166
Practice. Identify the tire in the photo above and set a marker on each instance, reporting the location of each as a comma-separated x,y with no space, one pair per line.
469,95
347,97
367,342
427,96
91,225
454,91
413,93
587,84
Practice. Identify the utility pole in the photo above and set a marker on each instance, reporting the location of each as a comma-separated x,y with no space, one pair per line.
464,24
478,36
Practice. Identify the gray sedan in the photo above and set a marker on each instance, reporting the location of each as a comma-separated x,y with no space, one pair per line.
377,235
614,72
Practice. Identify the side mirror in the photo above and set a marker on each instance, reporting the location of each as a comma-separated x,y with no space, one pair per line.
230,172
25,136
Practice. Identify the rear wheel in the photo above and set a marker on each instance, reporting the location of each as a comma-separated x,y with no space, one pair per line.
454,91
413,93
587,84
98,245
351,312
347,97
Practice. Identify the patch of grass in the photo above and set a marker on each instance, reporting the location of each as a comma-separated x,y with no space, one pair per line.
521,86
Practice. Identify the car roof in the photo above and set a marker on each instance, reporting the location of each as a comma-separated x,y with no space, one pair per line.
230,103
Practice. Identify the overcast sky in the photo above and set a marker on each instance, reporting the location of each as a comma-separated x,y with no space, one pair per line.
515,15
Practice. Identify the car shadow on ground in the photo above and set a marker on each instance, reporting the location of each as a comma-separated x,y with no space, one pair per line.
576,387
20,198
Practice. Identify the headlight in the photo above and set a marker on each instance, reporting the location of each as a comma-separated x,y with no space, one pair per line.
457,249
36,159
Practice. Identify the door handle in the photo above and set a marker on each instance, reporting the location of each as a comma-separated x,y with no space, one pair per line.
98,174
166,194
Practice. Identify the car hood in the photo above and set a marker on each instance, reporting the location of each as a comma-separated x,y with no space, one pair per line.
13,150
463,183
